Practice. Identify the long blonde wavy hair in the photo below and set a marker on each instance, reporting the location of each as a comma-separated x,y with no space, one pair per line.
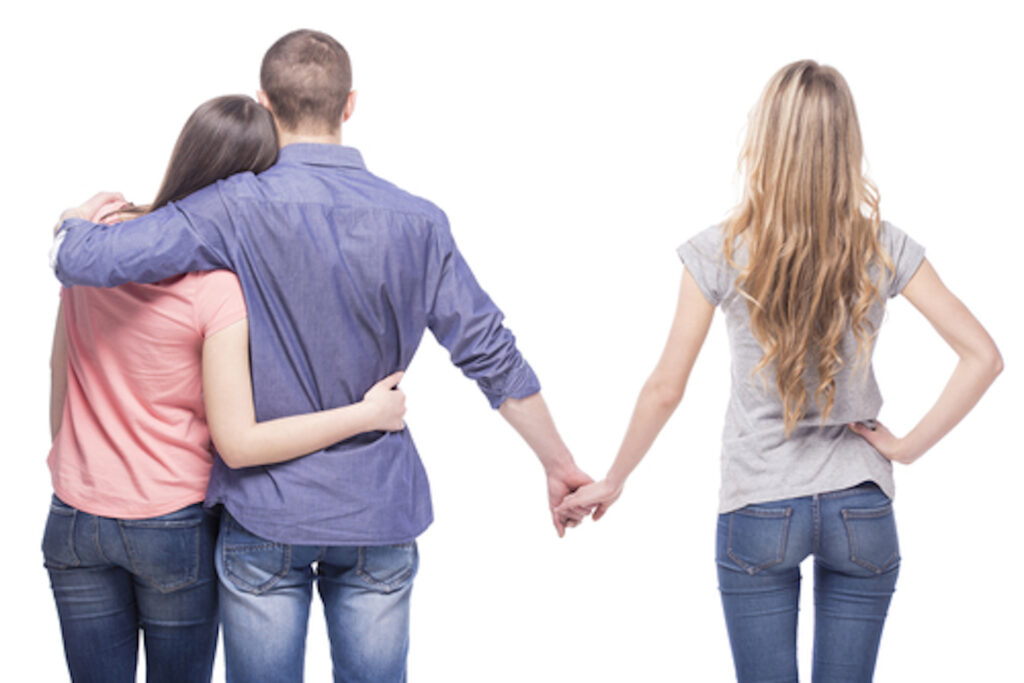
809,221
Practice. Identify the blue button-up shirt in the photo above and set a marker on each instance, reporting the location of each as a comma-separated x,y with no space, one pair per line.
342,272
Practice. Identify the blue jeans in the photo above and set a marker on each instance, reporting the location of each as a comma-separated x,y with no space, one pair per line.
852,534
266,589
111,577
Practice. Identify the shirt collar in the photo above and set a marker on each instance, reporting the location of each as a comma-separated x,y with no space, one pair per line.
314,154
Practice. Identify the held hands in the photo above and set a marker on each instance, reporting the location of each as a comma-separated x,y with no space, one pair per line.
885,442
386,403
597,496
561,483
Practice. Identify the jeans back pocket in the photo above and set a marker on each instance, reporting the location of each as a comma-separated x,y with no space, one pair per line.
253,564
165,551
757,537
59,537
387,568
872,535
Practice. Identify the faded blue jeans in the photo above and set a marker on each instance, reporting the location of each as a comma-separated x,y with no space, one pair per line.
852,535
111,577
266,590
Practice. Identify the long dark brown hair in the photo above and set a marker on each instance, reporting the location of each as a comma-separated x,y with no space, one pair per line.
223,136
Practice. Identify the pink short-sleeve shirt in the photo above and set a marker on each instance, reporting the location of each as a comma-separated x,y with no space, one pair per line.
133,441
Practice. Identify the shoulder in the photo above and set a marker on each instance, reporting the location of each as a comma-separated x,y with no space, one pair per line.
709,240
217,297
704,258
214,290
390,197
243,185
890,237
905,253
706,247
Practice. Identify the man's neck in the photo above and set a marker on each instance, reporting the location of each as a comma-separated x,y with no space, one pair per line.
285,137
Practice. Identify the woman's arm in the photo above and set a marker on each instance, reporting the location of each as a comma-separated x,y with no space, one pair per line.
58,373
978,367
658,399
243,442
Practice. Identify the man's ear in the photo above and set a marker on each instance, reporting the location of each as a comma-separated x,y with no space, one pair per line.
350,106
261,97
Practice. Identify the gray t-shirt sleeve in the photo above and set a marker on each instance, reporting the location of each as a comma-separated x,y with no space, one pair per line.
906,255
703,257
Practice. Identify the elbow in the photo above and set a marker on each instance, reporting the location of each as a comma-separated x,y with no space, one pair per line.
662,394
230,452
994,362
230,458
986,360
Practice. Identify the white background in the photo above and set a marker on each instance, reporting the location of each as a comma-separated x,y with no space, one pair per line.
573,146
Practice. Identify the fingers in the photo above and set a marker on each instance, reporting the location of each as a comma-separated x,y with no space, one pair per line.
575,514
391,380
559,525
567,503
100,199
104,197
862,430
578,499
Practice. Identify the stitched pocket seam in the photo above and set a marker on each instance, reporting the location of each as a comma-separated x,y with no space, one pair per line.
873,513
191,576
773,513
392,584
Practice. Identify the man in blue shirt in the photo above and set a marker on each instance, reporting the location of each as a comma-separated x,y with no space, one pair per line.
342,273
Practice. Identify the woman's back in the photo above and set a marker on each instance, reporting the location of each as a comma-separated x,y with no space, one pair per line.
133,441
759,461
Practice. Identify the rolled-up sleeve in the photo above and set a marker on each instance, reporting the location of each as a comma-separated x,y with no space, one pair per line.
466,321
178,238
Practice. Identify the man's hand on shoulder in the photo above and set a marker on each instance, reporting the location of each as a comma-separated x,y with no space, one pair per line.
94,208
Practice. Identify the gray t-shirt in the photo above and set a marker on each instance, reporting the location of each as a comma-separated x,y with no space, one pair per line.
759,464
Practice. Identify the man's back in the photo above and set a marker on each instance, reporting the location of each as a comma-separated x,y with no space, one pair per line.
342,272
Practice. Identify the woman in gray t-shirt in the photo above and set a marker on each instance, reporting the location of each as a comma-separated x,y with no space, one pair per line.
801,270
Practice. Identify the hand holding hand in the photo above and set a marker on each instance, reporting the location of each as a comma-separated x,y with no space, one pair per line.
600,494
562,482
387,403
884,442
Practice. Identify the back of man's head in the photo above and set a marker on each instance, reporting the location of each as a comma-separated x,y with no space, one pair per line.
307,77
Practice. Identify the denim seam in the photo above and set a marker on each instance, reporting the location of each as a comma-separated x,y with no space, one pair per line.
783,537
858,489
257,546
816,521
96,540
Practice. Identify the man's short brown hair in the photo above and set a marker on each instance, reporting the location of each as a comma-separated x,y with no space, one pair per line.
307,77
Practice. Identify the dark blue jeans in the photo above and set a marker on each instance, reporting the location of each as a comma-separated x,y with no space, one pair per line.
852,534
111,577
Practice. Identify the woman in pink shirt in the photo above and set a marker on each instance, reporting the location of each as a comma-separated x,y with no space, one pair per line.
143,375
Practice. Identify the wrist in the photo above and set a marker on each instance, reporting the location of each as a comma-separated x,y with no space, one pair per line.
906,451
364,415
559,464
70,213
615,478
